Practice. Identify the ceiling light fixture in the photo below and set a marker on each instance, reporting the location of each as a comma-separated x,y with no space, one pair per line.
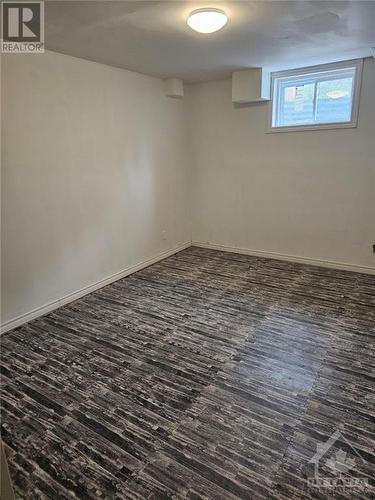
207,20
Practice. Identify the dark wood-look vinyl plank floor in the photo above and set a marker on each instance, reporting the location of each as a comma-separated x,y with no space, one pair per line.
208,375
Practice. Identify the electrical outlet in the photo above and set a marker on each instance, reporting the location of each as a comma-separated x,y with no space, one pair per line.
164,234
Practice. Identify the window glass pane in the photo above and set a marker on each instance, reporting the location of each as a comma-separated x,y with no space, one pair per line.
313,98
334,100
297,103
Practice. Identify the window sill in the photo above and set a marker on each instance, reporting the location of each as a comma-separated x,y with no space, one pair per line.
320,126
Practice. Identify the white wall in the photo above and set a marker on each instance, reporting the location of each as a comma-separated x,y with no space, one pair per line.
308,194
97,162
94,168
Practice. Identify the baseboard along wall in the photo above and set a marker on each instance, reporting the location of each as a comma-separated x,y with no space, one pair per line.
40,311
291,258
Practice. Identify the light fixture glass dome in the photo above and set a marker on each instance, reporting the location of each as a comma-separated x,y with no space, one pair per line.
207,20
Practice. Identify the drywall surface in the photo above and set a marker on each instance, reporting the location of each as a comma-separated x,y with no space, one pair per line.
102,174
309,194
94,169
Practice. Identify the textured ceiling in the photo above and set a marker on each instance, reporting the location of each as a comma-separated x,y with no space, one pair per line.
152,37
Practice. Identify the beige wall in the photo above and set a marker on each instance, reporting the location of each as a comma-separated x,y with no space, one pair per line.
94,168
308,194
97,163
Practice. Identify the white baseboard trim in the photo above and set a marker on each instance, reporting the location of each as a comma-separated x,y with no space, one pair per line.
40,311
291,258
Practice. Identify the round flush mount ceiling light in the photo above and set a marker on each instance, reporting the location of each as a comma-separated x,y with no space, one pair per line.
207,20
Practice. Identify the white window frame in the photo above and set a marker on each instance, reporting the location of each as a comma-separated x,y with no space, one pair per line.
357,63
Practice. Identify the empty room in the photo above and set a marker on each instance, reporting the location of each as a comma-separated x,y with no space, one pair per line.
187,250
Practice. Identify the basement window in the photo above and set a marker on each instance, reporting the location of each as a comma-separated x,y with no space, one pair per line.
318,97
